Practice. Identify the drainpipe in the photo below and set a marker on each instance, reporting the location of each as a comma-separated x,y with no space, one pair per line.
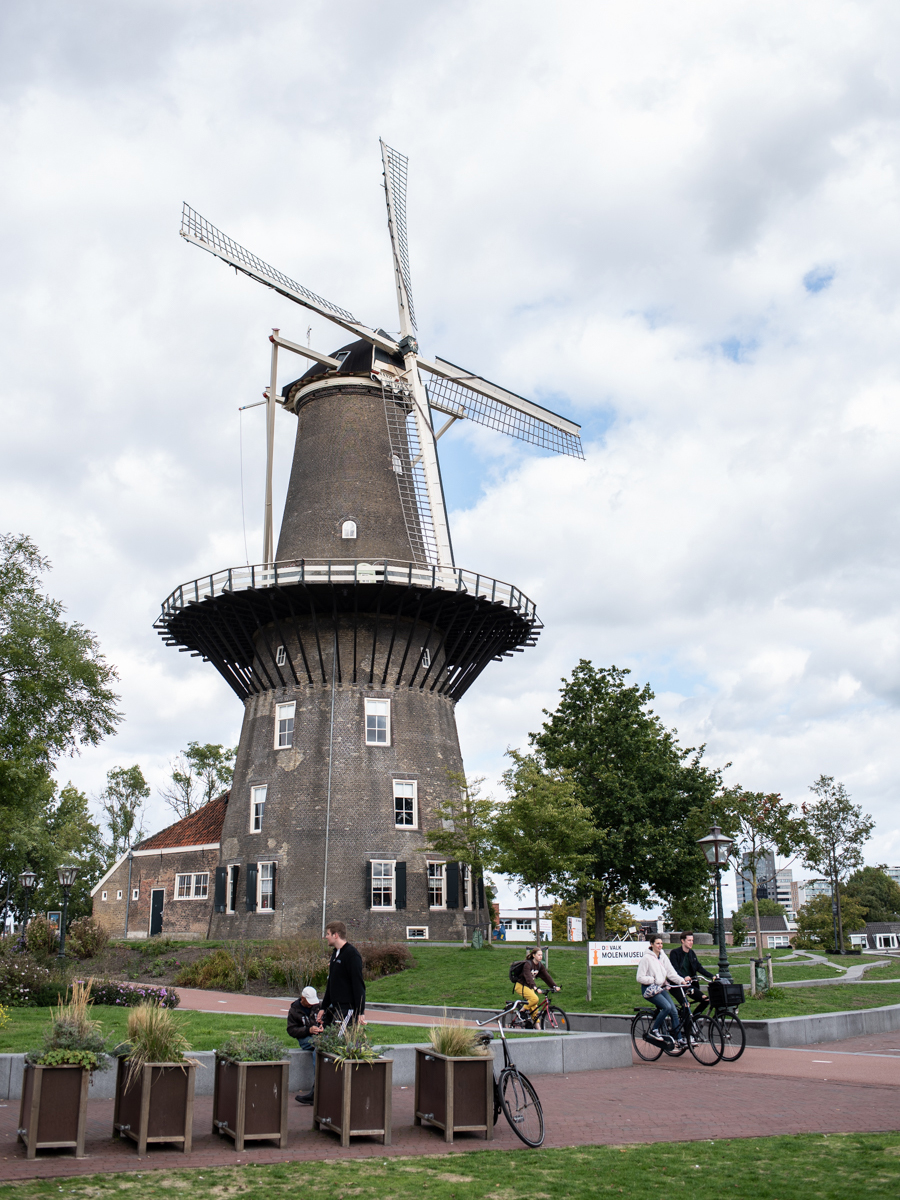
128,897
328,798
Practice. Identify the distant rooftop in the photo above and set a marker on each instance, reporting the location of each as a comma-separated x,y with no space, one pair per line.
201,828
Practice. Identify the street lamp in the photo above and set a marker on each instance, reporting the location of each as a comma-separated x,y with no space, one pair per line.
28,880
717,848
66,876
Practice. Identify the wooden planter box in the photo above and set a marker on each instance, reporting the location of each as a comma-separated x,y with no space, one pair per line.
455,1094
53,1112
250,1101
353,1099
159,1107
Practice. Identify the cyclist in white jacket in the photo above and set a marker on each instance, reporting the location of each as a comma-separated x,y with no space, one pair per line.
654,971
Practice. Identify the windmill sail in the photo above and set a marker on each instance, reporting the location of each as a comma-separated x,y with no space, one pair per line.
461,394
395,177
202,233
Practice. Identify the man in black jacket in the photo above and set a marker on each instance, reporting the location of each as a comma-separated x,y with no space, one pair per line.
302,1023
345,993
687,964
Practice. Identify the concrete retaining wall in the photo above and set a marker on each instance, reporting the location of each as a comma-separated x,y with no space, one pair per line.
561,1055
779,1031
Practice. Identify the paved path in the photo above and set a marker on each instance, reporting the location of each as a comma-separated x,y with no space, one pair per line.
767,1092
200,1000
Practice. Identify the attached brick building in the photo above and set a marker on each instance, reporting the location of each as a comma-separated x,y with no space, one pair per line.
165,884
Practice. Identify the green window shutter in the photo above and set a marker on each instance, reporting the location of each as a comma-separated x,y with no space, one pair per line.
400,885
252,875
480,892
221,884
452,885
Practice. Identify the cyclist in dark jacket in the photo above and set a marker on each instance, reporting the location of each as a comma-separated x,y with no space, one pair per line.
686,963
533,968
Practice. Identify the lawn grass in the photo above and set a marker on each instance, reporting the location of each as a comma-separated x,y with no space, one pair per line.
454,976
204,1031
805,1167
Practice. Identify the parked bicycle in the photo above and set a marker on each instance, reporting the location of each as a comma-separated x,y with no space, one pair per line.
514,1093
702,1033
549,1017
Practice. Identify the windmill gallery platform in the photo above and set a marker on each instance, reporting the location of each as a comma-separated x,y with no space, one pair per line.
352,642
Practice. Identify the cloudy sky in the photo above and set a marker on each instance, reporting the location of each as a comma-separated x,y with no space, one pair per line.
676,224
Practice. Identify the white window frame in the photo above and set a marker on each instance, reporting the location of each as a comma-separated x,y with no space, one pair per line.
437,870
231,874
426,658
465,885
285,712
257,806
197,887
886,941
417,933
348,529
371,710
399,790
524,923
778,941
260,880
135,893
392,876
103,895
280,656
119,894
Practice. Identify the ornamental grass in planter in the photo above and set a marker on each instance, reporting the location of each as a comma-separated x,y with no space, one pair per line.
155,1081
250,1096
352,1095
53,1111
454,1088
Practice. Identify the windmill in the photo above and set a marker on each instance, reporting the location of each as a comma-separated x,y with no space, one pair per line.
350,667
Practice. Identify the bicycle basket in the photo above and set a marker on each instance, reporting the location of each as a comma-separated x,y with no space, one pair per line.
725,995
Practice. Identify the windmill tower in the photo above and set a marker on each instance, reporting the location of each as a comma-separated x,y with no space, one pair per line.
352,641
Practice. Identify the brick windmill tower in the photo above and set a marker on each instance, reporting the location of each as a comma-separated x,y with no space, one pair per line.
351,643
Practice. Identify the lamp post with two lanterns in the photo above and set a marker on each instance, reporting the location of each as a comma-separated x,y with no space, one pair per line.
66,876
717,848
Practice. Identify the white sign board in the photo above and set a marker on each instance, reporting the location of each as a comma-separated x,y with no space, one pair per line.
573,929
616,954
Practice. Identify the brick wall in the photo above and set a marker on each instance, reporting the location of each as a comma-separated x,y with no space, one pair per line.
157,870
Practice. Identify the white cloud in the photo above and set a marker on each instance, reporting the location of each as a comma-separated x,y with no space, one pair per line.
611,209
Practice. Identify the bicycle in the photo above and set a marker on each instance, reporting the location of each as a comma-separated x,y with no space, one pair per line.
514,1094
548,1017
724,999
702,1034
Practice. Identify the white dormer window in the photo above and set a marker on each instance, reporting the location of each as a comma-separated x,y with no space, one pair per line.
348,529
341,356
280,656
396,464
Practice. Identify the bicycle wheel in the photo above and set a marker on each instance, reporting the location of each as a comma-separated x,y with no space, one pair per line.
707,1040
555,1019
512,1020
521,1107
498,1108
673,1048
735,1037
640,1026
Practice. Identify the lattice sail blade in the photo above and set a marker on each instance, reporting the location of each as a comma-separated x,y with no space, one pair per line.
395,179
202,233
486,404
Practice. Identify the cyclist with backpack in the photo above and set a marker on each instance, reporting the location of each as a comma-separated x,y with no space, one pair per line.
523,975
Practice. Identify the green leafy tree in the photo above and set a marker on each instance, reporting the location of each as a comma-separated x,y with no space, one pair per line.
122,804
691,912
199,774
647,795
765,908
619,919
541,837
466,820
815,922
738,929
874,889
836,829
759,822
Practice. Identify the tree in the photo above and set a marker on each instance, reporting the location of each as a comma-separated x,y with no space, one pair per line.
815,922
541,836
835,831
765,908
198,775
647,795
122,803
738,928
619,919
759,822
691,912
466,818
55,692
874,889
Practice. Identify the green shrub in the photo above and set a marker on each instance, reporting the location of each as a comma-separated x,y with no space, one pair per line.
86,938
74,1036
41,938
123,995
384,958
218,971
154,1036
256,1046
24,983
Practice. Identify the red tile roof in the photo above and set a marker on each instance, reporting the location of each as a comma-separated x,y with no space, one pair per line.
201,828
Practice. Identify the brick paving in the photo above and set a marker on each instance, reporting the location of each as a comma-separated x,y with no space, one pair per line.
766,1092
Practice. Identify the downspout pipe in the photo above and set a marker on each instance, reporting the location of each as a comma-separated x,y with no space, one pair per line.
128,896
328,795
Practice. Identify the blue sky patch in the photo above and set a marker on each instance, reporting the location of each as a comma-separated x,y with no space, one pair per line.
818,278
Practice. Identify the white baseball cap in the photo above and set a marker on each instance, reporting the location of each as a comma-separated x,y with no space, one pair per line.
309,995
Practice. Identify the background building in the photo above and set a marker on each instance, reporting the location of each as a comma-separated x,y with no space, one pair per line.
766,875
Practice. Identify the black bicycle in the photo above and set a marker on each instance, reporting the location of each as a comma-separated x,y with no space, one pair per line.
514,1094
724,999
548,1017
701,1033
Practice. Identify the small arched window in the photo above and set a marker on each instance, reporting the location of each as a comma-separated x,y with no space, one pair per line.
396,464
348,529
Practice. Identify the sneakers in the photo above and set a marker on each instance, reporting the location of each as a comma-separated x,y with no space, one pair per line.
305,1098
654,1039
